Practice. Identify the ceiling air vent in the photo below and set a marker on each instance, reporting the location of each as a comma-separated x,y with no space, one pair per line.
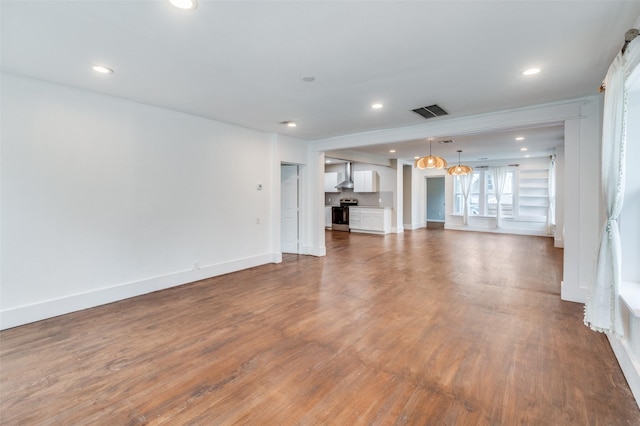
447,141
430,111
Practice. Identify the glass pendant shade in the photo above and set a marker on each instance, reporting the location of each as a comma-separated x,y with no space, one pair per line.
460,169
430,161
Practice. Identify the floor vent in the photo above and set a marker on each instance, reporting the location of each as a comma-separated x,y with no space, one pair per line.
430,111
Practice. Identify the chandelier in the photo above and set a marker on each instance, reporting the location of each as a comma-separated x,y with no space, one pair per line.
460,169
430,161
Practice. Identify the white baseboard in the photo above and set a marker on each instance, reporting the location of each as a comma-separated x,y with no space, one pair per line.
314,251
572,293
25,314
413,226
516,231
628,363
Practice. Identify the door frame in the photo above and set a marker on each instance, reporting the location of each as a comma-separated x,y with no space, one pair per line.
426,200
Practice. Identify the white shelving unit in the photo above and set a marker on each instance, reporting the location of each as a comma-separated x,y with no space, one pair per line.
533,199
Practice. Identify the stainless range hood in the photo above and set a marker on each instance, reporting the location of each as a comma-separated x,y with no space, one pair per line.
347,183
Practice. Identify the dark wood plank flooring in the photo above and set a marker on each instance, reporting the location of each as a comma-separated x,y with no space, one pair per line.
429,327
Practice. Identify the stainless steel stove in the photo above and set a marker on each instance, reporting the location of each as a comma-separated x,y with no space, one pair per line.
340,215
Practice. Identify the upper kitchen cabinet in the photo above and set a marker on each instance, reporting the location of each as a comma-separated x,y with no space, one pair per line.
331,179
365,181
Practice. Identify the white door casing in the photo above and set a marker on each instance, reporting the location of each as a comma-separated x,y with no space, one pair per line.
289,208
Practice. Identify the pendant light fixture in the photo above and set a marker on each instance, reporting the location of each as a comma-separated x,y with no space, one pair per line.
460,169
430,161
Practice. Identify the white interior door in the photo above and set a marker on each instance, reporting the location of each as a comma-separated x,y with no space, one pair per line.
289,208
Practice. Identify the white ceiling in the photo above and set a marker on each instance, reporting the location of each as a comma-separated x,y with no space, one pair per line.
242,62
484,147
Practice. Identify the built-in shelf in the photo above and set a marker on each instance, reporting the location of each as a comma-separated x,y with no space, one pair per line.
533,195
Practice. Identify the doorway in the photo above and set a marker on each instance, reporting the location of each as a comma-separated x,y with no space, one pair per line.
435,202
289,208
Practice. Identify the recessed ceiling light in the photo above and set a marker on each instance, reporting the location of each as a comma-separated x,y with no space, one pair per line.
327,161
520,138
291,124
184,4
102,69
531,71
527,156
392,150
524,149
376,106
416,157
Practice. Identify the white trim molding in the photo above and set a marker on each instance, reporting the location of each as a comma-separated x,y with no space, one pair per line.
20,315
628,363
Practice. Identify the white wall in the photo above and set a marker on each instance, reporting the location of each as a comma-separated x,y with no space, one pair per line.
560,198
397,211
583,205
104,199
629,222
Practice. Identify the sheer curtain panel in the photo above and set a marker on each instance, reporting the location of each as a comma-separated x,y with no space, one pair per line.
499,180
602,311
465,183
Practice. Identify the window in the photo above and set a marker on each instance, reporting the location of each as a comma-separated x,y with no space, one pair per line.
474,194
482,195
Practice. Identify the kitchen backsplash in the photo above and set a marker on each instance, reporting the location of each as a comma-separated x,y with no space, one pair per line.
377,199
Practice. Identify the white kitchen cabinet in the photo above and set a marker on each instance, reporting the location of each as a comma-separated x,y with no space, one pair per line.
327,216
331,179
365,181
370,219
355,218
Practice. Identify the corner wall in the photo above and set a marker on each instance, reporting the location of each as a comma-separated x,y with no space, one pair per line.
583,205
104,199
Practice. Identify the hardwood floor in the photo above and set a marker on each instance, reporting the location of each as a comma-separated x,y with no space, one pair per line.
428,327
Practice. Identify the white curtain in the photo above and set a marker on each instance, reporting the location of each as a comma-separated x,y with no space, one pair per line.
465,183
602,311
499,181
551,210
